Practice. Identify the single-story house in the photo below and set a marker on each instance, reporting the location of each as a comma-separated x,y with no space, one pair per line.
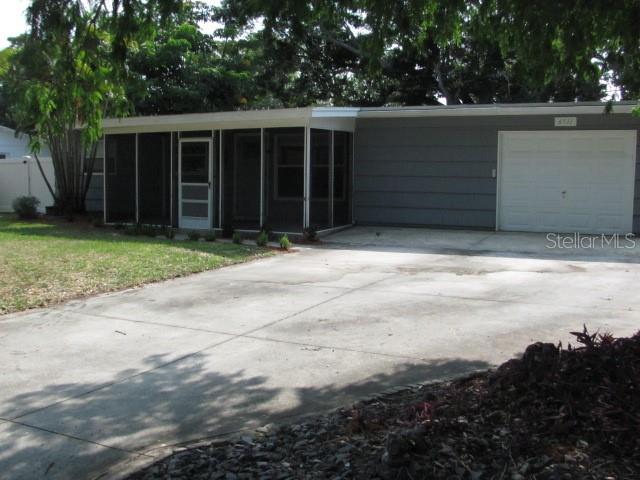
552,167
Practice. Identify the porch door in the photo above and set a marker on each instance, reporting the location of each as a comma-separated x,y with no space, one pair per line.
195,191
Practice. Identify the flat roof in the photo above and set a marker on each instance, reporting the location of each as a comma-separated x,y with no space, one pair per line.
322,115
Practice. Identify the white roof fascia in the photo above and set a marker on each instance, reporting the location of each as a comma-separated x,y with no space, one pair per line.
494,110
209,121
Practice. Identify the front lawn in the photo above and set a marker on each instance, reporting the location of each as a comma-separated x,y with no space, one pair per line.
44,262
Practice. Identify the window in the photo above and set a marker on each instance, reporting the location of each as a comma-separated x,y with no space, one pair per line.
98,164
3,156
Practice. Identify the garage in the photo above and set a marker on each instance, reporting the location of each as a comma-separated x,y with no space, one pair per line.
578,181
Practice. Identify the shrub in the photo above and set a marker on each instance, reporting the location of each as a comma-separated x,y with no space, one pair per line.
119,226
193,236
26,207
131,230
97,222
169,232
210,237
236,238
227,230
310,234
263,239
148,230
285,243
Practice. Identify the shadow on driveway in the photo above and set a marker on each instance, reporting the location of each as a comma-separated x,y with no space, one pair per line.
86,435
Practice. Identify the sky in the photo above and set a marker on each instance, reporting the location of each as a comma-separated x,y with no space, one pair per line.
12,21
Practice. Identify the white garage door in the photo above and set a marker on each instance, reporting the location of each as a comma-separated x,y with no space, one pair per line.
579,181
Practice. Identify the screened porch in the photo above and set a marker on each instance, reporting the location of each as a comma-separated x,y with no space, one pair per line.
282,178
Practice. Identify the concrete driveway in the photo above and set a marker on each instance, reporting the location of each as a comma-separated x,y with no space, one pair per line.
97,386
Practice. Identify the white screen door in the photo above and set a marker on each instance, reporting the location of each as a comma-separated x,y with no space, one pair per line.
195,183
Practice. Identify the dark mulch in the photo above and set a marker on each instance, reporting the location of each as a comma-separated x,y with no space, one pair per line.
555,413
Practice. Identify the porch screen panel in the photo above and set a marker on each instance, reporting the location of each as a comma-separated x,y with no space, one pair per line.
241,179
120,178
154,178
342,185
284,178
320,207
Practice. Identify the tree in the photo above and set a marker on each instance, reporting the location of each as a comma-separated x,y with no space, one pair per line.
182,70
415,51
5,58
67,74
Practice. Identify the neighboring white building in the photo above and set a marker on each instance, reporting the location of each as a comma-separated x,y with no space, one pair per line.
10,146
19,173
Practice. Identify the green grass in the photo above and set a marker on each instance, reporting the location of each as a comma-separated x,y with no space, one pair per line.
43,262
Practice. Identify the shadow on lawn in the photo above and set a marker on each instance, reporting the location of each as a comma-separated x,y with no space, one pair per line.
172,403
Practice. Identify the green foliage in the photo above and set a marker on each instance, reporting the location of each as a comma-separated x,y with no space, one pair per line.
310,234
285,243
379,52
193,235
26,207
69,72
169,232
236,238
262,239
182,70
210,237
227,230
148,230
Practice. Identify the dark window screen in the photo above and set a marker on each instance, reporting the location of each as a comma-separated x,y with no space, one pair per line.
154,178
284,178
320,172
342,178
120,180
241,176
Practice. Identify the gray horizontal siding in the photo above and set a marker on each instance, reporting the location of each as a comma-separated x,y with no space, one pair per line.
439,171
95,194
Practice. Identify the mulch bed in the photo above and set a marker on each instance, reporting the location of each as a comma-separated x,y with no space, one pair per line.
556,413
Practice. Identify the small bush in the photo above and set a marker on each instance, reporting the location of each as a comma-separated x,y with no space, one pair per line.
236,238
193,236
263,239
148,230
97,222
26,207
285,243
210,237
119,226
310,234
131,230
169,232
227,230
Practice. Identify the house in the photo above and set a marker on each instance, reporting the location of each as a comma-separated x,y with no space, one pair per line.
552,167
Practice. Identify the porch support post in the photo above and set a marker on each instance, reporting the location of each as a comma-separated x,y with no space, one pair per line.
137,185
307,175
171,179
331,181
262,177
220,174
104,178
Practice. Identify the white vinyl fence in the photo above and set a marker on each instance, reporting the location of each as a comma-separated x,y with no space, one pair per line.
21,176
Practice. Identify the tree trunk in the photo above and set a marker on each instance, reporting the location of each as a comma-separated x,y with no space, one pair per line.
68,156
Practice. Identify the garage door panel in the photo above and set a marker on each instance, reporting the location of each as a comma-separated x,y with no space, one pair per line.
579,181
